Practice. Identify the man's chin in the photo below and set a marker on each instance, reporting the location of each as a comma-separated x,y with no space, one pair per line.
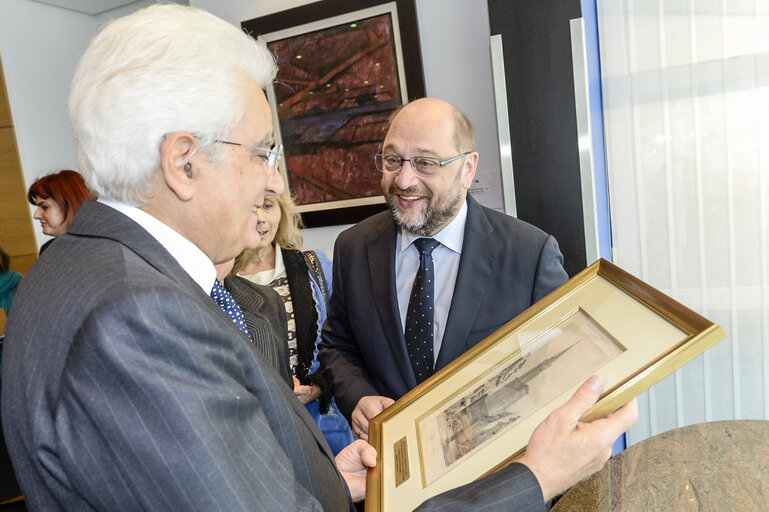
410,220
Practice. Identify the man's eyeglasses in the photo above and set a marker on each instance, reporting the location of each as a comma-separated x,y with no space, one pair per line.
422,165
268,158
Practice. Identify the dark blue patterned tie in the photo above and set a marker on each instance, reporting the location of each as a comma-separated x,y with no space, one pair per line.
222,297
419,317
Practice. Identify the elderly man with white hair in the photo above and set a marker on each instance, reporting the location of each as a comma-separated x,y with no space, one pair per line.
128,380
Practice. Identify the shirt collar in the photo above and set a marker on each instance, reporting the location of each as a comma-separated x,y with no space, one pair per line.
188,255
452,236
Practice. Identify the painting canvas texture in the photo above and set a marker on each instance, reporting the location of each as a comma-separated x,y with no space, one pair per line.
335,90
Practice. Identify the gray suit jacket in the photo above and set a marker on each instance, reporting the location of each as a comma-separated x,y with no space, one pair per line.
125,387
506,266
265,317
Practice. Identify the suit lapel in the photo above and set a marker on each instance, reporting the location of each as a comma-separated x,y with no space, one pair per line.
381,265
476,269
97,220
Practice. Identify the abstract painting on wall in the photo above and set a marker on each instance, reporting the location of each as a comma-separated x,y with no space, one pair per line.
339,79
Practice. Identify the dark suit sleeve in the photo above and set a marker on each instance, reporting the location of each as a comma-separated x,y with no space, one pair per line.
338,351
511,489
265,317
154,413
550,272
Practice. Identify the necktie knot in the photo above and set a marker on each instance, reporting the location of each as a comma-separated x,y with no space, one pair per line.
425,246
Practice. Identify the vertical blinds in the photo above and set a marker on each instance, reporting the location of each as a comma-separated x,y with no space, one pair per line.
686,110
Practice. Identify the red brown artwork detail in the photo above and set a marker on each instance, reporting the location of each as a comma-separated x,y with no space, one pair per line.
335,89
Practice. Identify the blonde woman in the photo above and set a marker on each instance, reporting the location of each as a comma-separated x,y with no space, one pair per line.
302,280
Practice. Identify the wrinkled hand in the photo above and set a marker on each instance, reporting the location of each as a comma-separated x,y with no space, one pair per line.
367,408
352,462
305,394
563,450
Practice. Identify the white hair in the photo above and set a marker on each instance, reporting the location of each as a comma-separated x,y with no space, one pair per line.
162,69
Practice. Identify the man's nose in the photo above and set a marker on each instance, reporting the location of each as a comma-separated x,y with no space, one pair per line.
275,184
407,176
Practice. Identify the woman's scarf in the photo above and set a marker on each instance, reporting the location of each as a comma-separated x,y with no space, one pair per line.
8,282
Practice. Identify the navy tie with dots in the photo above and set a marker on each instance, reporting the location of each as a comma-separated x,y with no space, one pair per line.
419,317
222,297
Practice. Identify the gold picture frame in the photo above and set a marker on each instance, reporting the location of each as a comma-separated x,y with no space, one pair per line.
476,415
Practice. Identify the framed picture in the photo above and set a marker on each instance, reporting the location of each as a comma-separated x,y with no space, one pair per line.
343,68
476,415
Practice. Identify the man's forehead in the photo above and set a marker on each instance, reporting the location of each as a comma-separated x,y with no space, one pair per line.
412,149
419,138
267,141
258,117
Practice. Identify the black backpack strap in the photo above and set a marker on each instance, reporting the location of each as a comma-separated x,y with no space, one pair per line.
317,271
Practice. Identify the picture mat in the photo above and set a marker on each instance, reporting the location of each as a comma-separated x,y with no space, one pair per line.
477,414
644,333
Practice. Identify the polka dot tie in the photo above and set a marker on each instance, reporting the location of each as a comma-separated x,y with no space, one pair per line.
222,297
419,318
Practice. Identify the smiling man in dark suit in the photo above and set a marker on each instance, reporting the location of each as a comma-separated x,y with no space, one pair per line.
125,386
488,267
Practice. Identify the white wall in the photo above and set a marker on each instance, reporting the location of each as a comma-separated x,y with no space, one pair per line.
236,11
40,45
119,12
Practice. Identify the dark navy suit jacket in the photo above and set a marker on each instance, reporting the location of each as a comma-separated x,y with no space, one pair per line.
506,266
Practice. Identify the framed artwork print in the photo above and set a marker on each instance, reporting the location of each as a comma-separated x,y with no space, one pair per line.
476,415
342,70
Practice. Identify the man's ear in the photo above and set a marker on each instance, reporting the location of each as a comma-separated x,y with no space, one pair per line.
177,164
468,170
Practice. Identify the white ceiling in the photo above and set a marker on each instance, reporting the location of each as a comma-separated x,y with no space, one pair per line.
88,6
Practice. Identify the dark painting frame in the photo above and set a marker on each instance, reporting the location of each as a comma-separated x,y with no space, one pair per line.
347,212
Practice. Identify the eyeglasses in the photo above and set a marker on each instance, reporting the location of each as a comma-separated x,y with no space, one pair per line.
268,158
422,165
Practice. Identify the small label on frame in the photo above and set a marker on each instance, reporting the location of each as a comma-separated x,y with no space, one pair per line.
401,453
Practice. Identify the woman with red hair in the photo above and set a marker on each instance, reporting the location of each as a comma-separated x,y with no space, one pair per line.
58,197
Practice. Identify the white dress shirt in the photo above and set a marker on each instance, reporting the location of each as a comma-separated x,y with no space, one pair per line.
446,264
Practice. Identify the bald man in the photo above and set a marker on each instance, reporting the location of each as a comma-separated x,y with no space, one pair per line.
488,267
